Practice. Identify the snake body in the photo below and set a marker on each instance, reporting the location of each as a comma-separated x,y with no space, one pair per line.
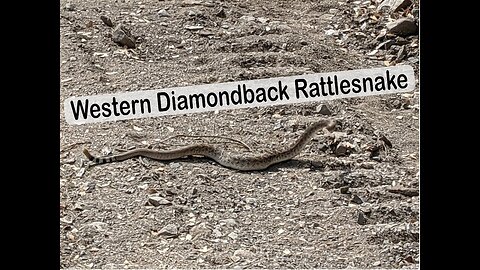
226,159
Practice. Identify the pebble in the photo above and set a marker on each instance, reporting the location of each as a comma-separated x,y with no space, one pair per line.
250,200
205,33
361,219
217,233
169,231
331,32
221,13
233,235
393,5
229,222
193,27
70,7
409,192
343,148
157,201
122,36
106,20
323,109
242,253
344,190
163,13
357,199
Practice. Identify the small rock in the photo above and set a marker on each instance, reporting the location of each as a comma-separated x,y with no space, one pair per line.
327,17
200,230
169,231
331,32
344,148
247,18
402,27
66,220
171,192
393,5
344,190
217,233
174,165
229,222
287,252
221,13
69,7
323,109
377,263
90,187
262,20
409,192
233,235
193,27
357,199
322,147
303,42
250,200
386,141
163,13
235,258
402,53
157,201
121,35
205,33
361,219
367,165
333,11
106,20
192,13
410,259
242,253
78,207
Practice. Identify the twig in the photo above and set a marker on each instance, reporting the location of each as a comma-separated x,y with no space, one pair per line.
208,136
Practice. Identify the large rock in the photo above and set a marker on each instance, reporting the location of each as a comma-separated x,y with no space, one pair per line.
122,36
169,231
393,5
402,27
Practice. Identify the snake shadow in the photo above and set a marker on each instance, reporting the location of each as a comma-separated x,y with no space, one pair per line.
292,163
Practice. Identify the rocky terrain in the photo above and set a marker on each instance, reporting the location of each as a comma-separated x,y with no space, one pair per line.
348,200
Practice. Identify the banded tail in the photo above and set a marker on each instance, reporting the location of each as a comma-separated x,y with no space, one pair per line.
99,160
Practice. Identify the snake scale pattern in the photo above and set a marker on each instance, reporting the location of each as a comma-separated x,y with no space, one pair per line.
234,161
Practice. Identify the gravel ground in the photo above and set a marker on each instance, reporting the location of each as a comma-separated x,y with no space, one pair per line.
323,209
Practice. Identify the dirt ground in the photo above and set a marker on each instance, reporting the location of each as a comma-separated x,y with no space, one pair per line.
319,210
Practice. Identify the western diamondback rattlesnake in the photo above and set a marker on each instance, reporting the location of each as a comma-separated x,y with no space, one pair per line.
238,162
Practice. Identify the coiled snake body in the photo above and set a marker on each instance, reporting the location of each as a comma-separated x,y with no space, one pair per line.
238,162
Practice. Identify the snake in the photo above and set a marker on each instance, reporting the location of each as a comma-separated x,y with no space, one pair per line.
241,162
